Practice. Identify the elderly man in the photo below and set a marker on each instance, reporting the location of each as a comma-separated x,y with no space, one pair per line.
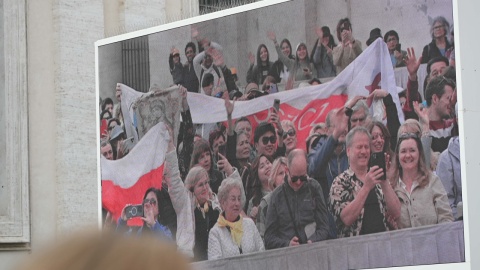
360,202
297,213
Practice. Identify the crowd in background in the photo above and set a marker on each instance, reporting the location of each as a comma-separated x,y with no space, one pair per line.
253,189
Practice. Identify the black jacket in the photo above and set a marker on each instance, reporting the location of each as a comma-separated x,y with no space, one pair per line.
307,205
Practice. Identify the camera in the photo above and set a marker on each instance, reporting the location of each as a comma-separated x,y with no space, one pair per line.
134,211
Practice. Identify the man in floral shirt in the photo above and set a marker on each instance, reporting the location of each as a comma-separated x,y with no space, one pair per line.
359,201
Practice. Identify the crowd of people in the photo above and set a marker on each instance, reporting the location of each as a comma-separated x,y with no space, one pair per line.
249,189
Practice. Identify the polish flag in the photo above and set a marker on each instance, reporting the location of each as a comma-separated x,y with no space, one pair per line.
125,181
308,106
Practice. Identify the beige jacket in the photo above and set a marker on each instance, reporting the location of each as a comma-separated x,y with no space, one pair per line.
425,206
343,56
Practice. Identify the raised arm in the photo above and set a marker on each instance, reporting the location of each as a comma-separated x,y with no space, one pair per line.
181,202
284,59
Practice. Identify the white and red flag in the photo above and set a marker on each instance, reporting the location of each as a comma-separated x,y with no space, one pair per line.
309,106
125,181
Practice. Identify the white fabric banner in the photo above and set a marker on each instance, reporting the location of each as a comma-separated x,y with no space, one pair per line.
369,71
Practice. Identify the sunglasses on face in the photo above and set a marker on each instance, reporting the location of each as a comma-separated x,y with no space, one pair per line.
290,132
302,178
408,135
272,139
151,201
378,136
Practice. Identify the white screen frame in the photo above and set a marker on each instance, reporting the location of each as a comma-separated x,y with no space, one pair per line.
467,63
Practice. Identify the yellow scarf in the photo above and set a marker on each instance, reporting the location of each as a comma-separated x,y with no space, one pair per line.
236,228
203,209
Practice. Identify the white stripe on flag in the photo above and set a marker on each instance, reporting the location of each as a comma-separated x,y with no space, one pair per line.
148,154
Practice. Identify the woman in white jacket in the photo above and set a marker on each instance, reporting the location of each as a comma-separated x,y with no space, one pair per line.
196,205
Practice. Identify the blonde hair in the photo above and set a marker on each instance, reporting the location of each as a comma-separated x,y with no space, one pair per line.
274,171
95,250
194,175
226,186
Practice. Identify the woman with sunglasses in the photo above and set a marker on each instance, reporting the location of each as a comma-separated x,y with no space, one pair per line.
301,68
289,136
422,196
257,73
257,185
150,216
380,138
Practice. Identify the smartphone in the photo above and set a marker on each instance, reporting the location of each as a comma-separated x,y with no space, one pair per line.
219,94
276,104
134,211
398,47
222,150
273,88
378,159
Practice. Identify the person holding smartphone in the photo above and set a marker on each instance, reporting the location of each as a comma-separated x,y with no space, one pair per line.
395,49
150,216
348,49
362,203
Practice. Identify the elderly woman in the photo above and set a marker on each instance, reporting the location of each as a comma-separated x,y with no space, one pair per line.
257,73
439,45
422,196
289,136
301,68
196,205
232,234
277,177
202,156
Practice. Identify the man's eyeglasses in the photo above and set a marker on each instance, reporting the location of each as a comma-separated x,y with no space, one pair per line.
302,178
290,132
151,201
272,139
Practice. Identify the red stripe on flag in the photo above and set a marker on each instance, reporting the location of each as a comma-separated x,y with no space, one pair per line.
114,197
